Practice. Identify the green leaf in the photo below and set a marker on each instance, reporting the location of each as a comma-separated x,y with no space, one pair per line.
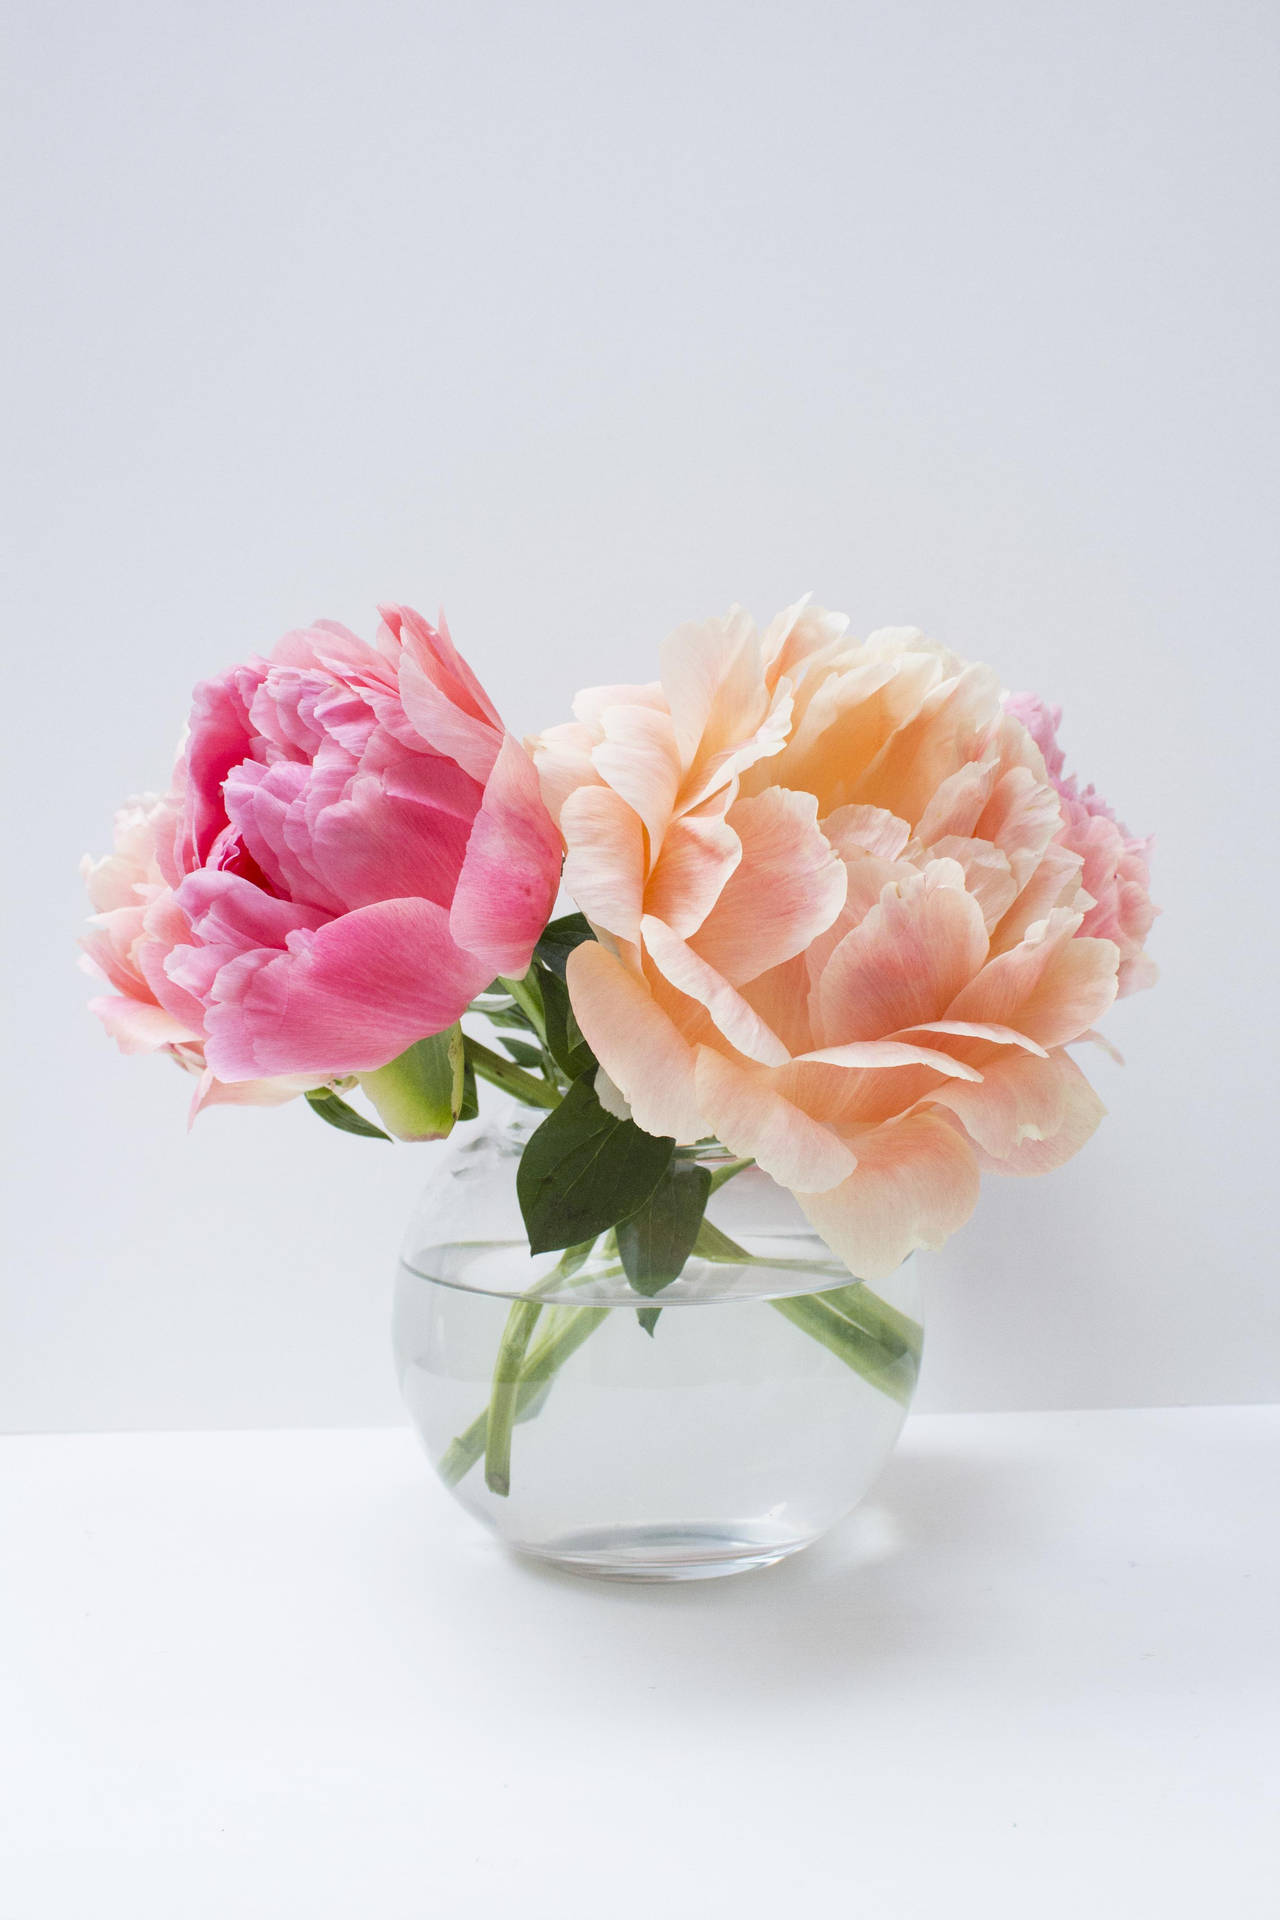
523,1052
559,940
419,1093
655,1242
649,1318
333,1108
564,1036
583,1170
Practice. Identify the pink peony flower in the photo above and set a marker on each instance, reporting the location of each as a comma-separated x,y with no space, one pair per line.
355,848
838,926
1116,871
131,934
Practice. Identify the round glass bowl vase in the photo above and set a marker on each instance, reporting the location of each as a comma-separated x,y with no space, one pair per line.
721,1425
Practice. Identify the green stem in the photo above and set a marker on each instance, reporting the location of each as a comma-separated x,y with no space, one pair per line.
521,1321
889,1367
507,1075
529,1000
541,1365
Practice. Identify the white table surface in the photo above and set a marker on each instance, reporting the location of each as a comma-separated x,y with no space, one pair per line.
280,1674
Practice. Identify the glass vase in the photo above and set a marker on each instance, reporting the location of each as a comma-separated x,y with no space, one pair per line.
720,1425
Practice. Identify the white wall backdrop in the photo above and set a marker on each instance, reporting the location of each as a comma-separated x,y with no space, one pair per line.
580,320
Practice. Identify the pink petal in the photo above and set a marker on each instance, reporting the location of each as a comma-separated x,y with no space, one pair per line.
916,1181
224,909
345,999
638,1046
788,889
137,1026
752,1118
431,649
511,873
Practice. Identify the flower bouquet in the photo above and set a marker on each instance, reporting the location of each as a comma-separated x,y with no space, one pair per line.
836,916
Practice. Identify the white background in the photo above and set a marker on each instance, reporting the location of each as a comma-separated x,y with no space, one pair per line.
581,320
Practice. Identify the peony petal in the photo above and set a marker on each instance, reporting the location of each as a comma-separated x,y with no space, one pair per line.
1080,1113
916,1181
1020,1098
511,873
562,756
138,1026
639,759
879,1054
604,870
345,999
740,1024
713,678
752,1118
904,963
635,1042
699,853
1052,986
789,887
977,1030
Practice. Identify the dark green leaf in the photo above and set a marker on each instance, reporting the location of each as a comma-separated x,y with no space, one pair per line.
649,1318
333,1108
564,1036
470,1107
559,940
655,1242
583,1170
523,1052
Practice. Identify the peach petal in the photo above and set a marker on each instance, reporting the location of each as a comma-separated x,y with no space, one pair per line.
1020,1098
604,870
978,1030
753,1119
787,889
713,677
735,1018
699,853
857,830
638,1046
916,1181
904,962
987,873
1080,1114
1052,986
639,759
879,1054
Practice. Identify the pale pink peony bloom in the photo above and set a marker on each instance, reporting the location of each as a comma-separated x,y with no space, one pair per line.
837,927
1116,871
355,848
131,933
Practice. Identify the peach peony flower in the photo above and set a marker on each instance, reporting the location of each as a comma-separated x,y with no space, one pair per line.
133,930
839,927
1116,872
